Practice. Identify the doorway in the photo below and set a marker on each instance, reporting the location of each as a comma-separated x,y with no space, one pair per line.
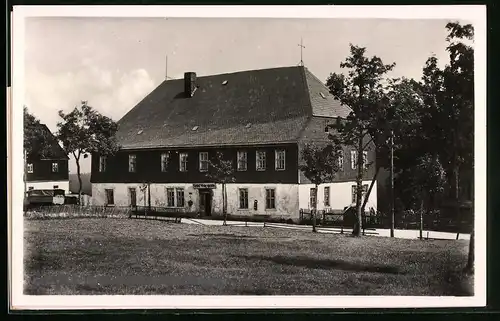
133,196
205,202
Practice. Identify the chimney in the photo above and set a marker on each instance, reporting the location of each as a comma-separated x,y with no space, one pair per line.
189,83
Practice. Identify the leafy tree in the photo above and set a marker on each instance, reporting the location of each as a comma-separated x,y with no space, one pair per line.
222,171
320,164
37,140
430,180
449,98
84,131
362,90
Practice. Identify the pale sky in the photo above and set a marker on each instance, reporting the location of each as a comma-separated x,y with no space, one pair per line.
115,62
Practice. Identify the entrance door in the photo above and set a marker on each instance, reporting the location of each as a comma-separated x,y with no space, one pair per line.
206,202
133,197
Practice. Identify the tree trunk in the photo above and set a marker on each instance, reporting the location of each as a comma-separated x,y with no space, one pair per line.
393,223
359,188
315,207
149,197
224,209
421,219
470,260
456,193
79,181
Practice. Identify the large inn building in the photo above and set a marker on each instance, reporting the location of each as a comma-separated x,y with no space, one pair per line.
259,119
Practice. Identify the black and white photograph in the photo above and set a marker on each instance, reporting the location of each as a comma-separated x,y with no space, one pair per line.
214,157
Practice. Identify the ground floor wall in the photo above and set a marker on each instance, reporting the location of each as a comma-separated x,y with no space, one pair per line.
49,185
284,204
285,201
340,194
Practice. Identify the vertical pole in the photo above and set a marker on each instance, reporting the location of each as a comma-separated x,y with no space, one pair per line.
25,176
392,182
166,67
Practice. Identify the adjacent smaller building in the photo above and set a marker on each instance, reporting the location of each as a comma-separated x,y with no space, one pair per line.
51,171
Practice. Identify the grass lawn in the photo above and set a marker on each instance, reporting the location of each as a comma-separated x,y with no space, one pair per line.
112,256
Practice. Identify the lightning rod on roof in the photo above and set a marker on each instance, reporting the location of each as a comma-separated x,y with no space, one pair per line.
166,67
301,63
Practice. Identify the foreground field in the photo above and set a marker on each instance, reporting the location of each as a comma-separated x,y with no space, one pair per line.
107,256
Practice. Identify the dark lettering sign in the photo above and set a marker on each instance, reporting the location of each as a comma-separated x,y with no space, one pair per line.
204,185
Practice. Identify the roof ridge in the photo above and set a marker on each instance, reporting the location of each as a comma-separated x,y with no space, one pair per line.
241,71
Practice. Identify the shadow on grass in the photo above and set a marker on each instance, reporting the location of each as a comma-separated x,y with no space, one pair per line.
313,263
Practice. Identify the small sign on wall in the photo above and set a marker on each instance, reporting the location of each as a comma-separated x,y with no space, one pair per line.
204,185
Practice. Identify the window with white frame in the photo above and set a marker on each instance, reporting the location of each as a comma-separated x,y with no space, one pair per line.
353,159
110,197
132,163
340,160
270,198
260,160
102,164
243,198
312,198
242,160
170,197
55,167
179,197
365,159
164,161
29,168
183,162
327,196
203,161
279,159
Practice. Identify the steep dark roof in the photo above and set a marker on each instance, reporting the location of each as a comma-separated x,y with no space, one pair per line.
55,151
250,107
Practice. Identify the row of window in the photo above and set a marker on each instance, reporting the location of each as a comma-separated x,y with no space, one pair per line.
55,167
242,161
176,197
326,198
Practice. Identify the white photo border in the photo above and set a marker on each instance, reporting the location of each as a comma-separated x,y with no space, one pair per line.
473,13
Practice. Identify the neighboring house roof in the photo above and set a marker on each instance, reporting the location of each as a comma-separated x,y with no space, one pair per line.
55,151
250,107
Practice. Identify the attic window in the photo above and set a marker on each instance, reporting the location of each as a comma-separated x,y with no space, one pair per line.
139,132
322,95
248,125
194,128
224,82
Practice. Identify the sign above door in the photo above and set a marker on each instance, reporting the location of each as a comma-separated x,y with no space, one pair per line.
204,185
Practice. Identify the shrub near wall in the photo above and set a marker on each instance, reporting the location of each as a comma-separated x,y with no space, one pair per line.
75,211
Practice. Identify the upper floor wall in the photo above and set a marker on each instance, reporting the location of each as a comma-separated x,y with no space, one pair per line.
136,166
316,132
46,170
